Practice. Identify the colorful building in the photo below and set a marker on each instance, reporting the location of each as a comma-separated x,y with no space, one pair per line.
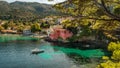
60,33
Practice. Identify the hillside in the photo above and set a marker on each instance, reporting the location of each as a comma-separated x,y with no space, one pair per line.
25,11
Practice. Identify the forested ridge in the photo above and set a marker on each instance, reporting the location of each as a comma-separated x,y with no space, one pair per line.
25,11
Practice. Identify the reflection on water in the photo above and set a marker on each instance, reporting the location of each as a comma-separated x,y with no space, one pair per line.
17,54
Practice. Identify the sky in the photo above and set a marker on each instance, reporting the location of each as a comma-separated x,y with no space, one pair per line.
40,1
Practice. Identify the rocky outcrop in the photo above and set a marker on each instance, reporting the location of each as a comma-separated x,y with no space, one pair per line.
88,44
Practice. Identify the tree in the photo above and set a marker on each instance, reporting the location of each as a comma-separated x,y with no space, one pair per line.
11,24
20,27
45,25
103,15
35,27
114,60
5,25
1,27
68,24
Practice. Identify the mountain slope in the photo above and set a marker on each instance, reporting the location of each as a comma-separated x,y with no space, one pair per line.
25,10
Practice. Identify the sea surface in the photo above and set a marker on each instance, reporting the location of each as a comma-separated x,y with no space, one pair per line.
17,54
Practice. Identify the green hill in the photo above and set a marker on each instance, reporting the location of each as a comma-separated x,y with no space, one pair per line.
25,11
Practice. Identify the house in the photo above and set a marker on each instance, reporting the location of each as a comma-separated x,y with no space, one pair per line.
27,32
60,33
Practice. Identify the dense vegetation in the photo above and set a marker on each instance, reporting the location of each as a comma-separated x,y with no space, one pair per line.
114,60
20,26
98,17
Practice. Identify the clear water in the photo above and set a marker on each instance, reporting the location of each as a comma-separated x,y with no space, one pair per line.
17,54
9,37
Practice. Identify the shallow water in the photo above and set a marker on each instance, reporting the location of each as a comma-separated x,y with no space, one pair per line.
9,37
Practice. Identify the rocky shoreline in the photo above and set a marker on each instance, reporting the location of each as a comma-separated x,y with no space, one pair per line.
88,44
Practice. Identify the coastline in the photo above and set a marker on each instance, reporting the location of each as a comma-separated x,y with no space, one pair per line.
16,37
88,44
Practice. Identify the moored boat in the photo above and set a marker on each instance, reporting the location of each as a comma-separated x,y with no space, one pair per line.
37,51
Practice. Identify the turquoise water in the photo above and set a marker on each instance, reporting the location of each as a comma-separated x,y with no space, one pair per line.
8,37
17,54
95,53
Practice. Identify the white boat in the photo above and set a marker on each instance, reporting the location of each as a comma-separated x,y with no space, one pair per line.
37,51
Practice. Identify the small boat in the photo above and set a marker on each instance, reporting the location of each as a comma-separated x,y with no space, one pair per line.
37,51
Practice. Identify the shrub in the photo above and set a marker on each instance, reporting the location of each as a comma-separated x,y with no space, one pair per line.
114,60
